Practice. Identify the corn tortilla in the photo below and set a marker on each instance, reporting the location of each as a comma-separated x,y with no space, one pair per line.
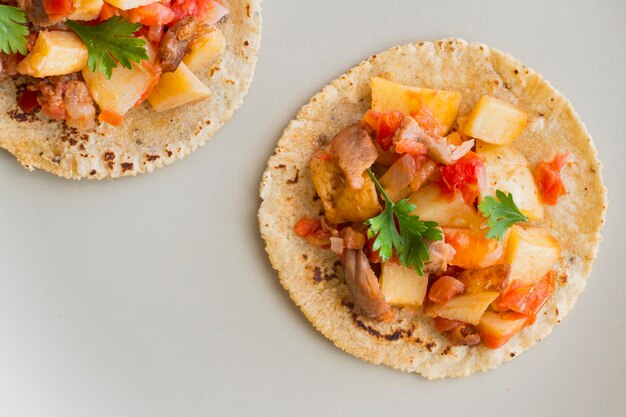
147,139
314,277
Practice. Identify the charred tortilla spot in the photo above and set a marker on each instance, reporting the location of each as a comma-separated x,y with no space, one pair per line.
169,153
512,354
430,346
152,157
319,275
93,172
127,166
446,351
280,166
294,180
56,159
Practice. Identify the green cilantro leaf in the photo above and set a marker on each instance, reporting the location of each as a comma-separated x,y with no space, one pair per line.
501,214
408,242
111,42
13,30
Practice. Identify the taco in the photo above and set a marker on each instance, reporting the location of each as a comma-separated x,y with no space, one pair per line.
435,209
94,89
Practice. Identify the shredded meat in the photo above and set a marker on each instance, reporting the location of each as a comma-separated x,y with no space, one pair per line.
8,65
175,43
66,97
463,335
355,153
439,150
441,253
363,286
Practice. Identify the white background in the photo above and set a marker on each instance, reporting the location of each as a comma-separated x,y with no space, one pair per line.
152,296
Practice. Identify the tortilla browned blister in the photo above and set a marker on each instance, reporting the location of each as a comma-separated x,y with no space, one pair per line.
147,139
314,276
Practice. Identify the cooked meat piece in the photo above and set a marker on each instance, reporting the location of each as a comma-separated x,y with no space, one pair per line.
66,97
439,150
425,172
355,152
8,65
363,286
79,109
36,13
441,253
491,278
175,42
463,335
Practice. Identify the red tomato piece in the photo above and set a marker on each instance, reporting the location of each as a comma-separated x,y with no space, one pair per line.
385,125
151,15
108,11
466,176
529,300
444,289
200,10
548,179
312,231
445,325
28,101
427,121
58,7
111,118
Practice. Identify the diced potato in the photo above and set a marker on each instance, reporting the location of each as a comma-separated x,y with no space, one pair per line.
388,96
431,205
86,9
498,328
495,121
473,249
178,88
342,203
468,308
402,286
130,4
54,53
125,88
507,170
531,253
204,49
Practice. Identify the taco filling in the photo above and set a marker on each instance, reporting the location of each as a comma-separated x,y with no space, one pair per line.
435,213
87,60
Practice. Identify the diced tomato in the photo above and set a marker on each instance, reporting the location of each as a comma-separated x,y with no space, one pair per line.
385,125
201,10
444,289
28,101
529,300
151,15
445,325
111,118
466,175
427,121
548,179
312,231
58,8
411,147
108,11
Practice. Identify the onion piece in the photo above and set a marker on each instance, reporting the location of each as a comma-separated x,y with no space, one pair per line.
336,245
215,13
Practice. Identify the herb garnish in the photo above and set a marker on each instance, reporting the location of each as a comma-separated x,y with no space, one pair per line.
408,242
111,42
13,30
501,214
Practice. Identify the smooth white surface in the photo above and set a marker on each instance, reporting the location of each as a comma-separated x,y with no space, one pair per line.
152,296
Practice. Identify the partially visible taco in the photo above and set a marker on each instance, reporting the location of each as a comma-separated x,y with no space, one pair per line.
436,209
95,89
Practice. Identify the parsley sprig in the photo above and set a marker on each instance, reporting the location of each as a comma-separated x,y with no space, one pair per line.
13,30
408,241
111,42
501,214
